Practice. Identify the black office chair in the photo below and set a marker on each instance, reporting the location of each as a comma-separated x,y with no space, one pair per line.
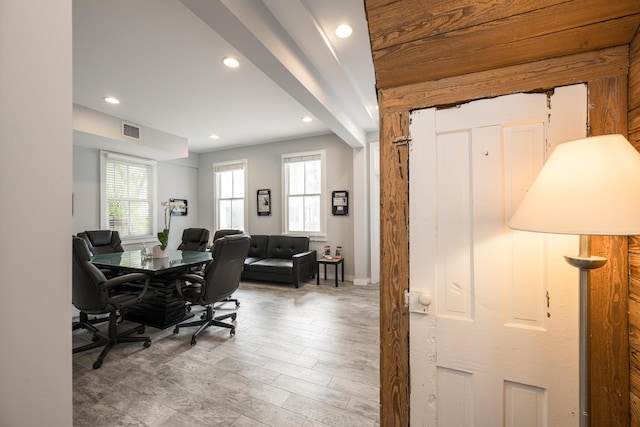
217,235
99,242
225,232
93,293
194,239
221,278
102,241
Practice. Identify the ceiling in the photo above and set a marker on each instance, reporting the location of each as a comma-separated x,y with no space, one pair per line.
163,60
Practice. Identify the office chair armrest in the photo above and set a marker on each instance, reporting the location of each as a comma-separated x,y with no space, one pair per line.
188,277
191,277
118,280
129,278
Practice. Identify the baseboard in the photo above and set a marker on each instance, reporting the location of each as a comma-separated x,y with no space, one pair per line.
361,282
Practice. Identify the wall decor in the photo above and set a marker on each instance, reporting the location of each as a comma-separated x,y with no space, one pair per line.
179,211
264,202
340,202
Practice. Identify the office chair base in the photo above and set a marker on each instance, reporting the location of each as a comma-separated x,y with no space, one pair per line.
234,300
84,322
207,321
113,338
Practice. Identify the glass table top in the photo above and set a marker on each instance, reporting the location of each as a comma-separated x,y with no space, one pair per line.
132,261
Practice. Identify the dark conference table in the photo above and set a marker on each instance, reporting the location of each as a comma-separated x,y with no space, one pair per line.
165,308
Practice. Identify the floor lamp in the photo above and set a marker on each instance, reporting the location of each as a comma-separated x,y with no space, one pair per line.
587,187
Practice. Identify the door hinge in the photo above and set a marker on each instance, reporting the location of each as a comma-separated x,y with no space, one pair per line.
402,140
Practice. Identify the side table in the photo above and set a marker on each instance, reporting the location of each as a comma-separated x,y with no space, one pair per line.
334,262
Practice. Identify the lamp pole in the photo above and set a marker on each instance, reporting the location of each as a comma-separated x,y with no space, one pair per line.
585,262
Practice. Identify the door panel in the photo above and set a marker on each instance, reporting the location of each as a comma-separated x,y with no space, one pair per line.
500,343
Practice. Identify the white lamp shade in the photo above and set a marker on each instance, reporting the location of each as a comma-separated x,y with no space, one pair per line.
590,186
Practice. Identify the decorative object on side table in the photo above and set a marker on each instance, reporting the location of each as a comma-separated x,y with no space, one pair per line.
326,253
338,252
163,236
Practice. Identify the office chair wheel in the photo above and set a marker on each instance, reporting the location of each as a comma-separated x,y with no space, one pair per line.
237,304
141,330
147,344
97,364
175,330
234,316
232,332
194,341
95,338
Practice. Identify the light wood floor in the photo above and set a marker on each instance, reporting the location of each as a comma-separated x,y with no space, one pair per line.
300,357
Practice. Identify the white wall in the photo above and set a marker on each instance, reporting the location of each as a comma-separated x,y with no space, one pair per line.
35,185
264,171
177,179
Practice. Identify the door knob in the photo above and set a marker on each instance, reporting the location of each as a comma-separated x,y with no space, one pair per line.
418,302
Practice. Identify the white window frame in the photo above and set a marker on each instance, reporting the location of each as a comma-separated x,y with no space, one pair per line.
244,165
104,217
290,158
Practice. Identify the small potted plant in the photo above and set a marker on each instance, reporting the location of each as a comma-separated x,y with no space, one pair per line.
163,236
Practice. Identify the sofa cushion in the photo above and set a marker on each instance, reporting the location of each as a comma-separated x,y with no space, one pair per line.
285,247
250,260
273,265
258,246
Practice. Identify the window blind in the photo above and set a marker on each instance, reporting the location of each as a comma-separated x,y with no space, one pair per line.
128,204
228,167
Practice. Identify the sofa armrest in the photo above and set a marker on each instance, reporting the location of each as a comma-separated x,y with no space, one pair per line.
304,266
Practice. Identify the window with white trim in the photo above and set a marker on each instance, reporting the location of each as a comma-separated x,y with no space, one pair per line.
127,195
304,193
230,190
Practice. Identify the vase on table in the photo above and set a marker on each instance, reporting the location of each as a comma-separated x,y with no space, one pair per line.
159,253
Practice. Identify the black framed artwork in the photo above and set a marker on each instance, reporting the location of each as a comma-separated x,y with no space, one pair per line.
264,202
182,211
340,202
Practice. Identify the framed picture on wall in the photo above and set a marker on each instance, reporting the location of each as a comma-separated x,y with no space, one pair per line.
340,202
179,211
264,202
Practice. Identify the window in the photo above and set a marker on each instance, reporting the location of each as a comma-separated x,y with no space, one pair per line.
304,190
229,191
127,195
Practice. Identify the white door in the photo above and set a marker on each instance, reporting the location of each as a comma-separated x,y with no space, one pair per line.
499,346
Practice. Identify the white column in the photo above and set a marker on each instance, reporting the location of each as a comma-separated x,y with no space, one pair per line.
360,210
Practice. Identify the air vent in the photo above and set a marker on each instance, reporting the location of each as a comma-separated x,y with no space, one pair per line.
130,131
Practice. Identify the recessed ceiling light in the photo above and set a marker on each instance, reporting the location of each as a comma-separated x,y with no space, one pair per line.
231,62
344,30
111,100
307,119
214,136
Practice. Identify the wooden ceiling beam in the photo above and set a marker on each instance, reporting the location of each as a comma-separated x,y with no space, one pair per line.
395,23
424,61
410,48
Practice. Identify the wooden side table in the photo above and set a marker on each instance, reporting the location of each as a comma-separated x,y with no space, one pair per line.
334,262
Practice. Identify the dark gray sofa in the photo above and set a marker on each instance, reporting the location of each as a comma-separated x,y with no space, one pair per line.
278,258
